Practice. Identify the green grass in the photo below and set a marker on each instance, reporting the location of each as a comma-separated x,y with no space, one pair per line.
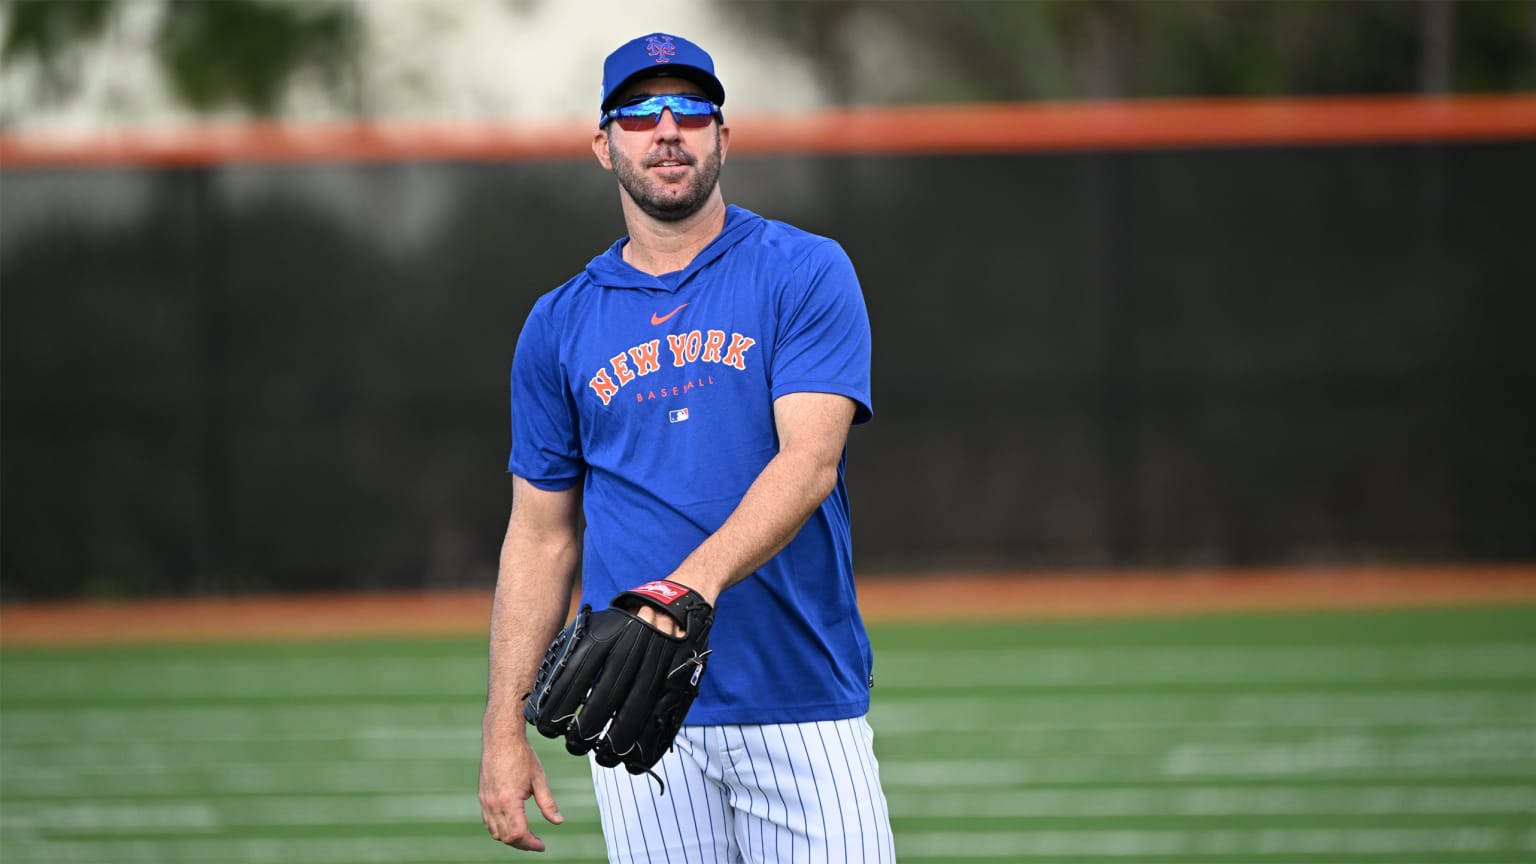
1403,737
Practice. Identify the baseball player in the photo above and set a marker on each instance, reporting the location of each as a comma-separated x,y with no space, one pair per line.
688,397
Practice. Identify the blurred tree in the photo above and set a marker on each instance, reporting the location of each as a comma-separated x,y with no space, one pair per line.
49,32
228,53
960,50
248,54
1504,38
245,52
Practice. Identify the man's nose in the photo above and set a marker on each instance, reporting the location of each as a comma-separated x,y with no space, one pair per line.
666,125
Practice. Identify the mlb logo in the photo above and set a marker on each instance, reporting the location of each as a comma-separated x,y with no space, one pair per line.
677,415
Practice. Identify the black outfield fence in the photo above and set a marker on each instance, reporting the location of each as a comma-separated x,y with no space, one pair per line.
252,377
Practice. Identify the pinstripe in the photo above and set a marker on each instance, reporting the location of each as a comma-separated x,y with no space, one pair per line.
733,816
745,816
877,795
821,738
799,794
741,825
767,819
842,777
709,810
633,826
666,848
854,775
618,827
815,786
871,765
726,798
711,791
872,796
837,787
706,758
733,793
665,767
615,813
685,751
778,828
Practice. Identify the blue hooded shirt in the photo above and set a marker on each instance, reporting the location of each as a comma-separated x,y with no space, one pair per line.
656,393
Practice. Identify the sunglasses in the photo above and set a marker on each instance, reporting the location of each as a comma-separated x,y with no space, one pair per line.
644,112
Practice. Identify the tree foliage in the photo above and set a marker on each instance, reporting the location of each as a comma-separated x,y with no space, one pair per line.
48,32
247,54
957,50
215,53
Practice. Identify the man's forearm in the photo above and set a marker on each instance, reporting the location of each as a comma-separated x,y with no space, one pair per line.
774,509
533,595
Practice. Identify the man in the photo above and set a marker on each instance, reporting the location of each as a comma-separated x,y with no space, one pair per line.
690,394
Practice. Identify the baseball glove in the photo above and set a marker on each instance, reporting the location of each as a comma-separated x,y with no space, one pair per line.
615,685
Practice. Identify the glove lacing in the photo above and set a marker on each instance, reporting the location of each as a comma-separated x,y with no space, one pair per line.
672,717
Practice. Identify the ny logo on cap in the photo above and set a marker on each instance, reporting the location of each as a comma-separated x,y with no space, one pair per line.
660,48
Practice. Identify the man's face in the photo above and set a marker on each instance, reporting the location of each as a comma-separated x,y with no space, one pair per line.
668,171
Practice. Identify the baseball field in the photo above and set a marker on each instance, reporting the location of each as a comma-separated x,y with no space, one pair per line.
1364,722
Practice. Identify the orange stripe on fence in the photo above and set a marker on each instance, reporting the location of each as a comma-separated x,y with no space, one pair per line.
933,129
1144,125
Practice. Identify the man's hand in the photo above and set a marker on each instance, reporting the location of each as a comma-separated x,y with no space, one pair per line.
660,621
510,774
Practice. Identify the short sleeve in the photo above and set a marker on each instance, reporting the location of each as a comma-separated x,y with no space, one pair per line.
546,445
823,341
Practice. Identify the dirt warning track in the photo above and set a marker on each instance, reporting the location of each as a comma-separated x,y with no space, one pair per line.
934,597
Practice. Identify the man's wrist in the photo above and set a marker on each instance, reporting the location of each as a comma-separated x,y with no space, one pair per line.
504,723
703,587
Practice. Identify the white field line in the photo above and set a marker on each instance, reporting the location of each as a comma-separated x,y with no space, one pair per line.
1001,846
306,723
385,677
361,746
385,744
93,816
1237,664
902,729
1322,759
262,778
213,679
280,722
236,778
1024,730
1468,754
568,846
1152,801
892,719
1463,753
933,776
1288,708
96,816
208,816
1017,845
435,733
1493,748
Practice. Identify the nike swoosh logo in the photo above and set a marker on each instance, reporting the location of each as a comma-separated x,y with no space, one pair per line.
662,319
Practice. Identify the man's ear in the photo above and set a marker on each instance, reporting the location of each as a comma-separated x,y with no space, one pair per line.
600,148
725,140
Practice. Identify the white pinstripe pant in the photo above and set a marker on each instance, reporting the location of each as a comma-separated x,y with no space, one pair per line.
791,792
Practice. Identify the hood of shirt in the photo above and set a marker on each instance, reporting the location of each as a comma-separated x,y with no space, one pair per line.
610,270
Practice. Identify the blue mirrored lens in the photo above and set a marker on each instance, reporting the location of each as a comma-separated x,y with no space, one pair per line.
679,104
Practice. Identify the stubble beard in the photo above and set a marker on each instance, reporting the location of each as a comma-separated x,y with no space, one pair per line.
667,206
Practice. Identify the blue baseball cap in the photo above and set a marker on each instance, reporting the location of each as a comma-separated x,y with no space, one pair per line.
656,55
